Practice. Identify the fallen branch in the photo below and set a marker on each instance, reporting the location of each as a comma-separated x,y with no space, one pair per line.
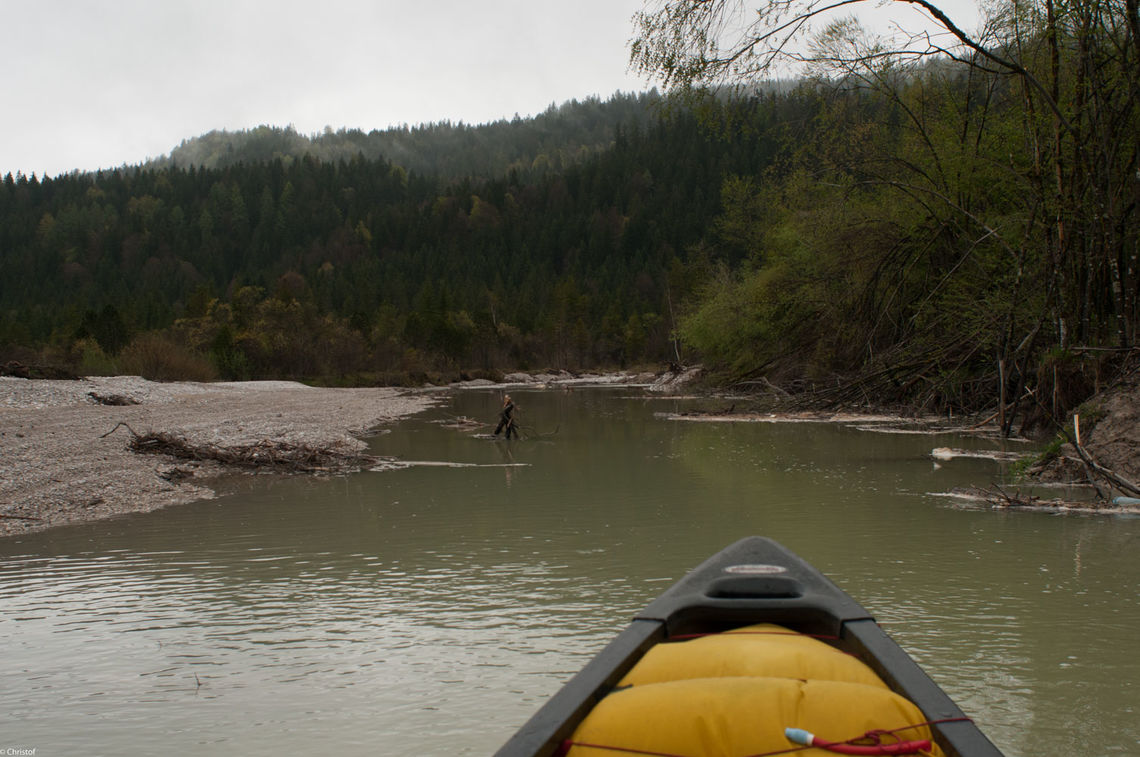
119,425
112,399
266,454
763,381
462,422
1092,466
262,454
1090,471
996,496
1014,500
986,420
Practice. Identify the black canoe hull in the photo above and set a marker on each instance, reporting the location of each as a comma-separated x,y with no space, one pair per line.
753,581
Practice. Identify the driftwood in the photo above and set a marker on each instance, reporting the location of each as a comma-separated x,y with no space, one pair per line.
461,422
1004,498
174,474
119,425
267,454
766,383
17,369
996,496
112,399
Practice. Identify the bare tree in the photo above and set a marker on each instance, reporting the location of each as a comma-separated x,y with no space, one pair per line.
1070,67
712,43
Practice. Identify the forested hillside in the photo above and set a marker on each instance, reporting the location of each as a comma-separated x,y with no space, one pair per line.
953,234
313,268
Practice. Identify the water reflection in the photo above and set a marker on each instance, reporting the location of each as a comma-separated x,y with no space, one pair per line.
430,610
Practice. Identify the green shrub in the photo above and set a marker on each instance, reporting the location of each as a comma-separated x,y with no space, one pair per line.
92,360
157,358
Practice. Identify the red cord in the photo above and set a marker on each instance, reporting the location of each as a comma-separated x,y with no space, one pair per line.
568,744
915,747
899,747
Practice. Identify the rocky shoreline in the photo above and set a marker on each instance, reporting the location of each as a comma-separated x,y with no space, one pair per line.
64,458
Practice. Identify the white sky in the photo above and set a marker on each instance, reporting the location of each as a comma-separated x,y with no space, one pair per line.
90,84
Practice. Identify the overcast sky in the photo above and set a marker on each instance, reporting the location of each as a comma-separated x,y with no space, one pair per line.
90,84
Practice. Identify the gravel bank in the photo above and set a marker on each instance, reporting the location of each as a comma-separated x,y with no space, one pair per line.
57,467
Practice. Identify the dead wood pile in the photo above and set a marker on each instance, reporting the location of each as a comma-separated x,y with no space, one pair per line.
1002,498
267,454
118,400
17,369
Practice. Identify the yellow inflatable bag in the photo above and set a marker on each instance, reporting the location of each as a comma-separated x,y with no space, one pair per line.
730,717
762,650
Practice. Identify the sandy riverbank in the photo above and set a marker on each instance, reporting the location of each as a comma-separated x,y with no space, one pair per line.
57,467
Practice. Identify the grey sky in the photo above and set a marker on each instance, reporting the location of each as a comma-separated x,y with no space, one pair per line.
98,83
93,84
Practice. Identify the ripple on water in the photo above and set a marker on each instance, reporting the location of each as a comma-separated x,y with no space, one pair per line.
430,610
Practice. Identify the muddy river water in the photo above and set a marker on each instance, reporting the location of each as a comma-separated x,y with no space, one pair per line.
431,610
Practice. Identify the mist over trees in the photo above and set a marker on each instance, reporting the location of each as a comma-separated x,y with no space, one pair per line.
557,138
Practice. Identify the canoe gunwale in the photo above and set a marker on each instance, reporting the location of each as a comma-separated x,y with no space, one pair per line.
556,720
753,581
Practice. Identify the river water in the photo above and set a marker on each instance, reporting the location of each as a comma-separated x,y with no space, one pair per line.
431,610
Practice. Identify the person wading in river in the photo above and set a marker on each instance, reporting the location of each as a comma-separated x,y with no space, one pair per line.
506,422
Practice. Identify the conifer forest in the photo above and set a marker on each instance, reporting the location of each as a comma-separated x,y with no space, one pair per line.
952,232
